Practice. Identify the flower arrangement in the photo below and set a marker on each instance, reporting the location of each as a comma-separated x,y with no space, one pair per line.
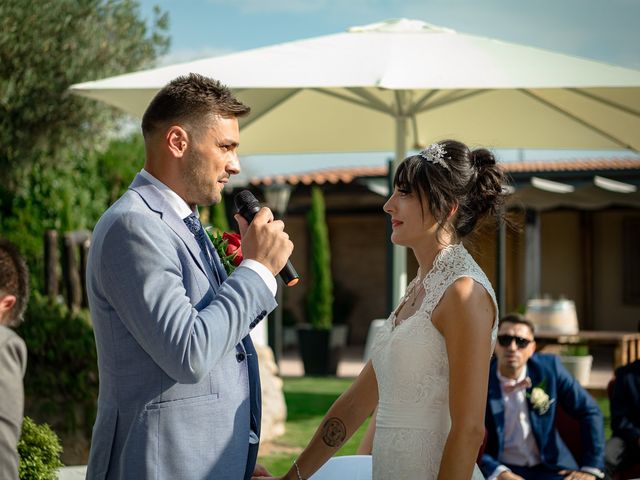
229,248
539,399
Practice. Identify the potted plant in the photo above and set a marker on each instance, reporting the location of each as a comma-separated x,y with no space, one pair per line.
289,329
320,342
576,359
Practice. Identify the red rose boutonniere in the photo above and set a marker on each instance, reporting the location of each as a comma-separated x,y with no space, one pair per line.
229,248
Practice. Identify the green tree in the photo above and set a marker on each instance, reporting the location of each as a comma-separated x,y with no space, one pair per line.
320,298
119,163
47,45
49,139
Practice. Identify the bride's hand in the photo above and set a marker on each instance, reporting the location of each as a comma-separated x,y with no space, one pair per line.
509,475
260,472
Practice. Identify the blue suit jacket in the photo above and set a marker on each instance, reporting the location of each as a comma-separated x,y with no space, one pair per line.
179,384
625,403
566,391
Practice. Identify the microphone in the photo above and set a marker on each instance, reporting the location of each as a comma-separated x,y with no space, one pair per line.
248,205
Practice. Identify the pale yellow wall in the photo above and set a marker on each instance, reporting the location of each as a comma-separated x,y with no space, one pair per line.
358,261
483,248
609,311
561,266
294,297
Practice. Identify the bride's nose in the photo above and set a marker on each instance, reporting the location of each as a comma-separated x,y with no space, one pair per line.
389,205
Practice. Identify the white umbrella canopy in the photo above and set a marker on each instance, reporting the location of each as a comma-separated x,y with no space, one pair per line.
351,92
401,84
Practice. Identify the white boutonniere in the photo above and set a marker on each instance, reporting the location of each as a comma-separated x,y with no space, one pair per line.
539,399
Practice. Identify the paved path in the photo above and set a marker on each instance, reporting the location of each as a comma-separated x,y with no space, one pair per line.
350,363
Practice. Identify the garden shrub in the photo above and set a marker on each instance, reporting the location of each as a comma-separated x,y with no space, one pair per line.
39,449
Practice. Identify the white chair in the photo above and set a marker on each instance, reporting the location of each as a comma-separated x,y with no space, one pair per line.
347,467
72,473
374,328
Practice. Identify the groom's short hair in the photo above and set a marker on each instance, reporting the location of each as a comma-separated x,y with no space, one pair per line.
516,318
191,100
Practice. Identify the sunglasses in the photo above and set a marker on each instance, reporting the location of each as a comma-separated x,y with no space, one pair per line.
505,341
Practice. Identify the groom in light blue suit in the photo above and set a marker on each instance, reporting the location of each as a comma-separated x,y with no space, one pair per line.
179,386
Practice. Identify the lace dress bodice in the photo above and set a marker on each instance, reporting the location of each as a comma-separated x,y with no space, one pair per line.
412,370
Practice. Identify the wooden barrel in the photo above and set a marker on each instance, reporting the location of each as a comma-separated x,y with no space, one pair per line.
555,316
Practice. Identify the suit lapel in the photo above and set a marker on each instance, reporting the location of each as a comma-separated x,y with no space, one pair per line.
496,403
156,202
535,419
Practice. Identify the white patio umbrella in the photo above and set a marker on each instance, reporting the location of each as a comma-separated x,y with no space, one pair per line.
403,83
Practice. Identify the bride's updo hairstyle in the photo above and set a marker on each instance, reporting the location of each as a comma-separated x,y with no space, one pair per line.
448,174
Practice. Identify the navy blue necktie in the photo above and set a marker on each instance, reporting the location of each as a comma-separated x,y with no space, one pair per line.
193,224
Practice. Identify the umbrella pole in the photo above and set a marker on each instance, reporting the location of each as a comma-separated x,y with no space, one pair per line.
501,267
398,253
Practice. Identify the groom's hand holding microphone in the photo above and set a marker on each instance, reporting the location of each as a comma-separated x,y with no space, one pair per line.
264,240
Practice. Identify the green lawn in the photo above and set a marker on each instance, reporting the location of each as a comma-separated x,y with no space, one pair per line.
603,403
308,399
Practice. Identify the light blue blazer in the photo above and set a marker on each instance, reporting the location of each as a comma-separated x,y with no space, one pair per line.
179,386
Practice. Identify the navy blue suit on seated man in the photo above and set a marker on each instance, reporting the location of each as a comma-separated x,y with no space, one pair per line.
623,449
525,389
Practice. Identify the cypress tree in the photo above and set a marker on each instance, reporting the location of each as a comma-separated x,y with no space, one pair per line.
320,297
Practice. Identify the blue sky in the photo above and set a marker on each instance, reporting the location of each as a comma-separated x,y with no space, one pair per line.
604,30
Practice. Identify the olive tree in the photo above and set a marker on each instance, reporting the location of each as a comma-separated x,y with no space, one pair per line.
49,139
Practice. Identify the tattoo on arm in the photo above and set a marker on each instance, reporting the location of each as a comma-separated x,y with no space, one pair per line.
334,432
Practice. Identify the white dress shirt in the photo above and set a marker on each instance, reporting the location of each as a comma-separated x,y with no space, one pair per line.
178,205
520,446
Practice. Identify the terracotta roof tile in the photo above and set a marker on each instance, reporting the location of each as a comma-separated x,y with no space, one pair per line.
348,174
574,165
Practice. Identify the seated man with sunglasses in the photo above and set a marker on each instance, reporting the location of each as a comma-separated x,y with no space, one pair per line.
525,388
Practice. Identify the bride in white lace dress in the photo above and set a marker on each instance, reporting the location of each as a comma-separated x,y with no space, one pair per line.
429,370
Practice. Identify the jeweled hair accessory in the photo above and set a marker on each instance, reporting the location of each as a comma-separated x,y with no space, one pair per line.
435,153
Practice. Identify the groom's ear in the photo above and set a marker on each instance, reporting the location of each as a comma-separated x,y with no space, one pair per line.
177,140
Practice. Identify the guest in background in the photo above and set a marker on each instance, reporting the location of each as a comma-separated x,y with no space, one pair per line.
623,449
525,390
14,293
